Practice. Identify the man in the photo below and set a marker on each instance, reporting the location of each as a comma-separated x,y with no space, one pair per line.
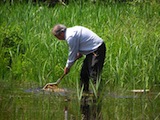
83,41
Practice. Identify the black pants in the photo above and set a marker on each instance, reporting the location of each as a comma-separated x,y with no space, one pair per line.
92,66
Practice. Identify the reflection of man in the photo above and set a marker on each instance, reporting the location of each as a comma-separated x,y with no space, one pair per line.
83,41
90,109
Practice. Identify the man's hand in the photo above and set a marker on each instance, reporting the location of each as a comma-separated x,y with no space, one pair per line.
79,55
66,70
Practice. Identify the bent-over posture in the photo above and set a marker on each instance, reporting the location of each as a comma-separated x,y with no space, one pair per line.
83,41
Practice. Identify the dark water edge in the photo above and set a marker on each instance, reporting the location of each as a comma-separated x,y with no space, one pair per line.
27,101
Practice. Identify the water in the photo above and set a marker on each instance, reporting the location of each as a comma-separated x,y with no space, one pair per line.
19,102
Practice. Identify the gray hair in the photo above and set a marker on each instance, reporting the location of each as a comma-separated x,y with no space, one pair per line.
57,29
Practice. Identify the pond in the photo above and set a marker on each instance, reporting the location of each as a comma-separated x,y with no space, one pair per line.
22,102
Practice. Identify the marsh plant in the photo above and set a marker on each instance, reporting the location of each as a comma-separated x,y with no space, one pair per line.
29,54
131,33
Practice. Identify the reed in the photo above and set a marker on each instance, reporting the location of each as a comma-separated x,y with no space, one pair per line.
131,32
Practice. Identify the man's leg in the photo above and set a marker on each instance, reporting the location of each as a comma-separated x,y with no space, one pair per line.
97,63
84,76
92,67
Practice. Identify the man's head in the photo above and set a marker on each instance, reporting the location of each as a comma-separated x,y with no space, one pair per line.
59,31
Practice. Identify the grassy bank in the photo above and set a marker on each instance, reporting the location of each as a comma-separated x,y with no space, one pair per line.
30,57
131,32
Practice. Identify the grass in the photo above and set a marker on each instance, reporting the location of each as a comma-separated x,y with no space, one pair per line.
131,32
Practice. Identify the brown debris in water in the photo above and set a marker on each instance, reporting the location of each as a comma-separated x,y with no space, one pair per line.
53,88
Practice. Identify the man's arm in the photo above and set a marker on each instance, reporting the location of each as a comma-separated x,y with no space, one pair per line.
66,69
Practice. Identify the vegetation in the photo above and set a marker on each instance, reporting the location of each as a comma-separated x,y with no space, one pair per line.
31,56
130,30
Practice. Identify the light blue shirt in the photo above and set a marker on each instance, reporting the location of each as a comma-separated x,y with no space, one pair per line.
80,40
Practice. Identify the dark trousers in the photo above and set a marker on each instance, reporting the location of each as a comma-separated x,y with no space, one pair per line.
92,66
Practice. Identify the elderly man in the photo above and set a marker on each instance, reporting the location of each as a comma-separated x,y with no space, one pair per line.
83,41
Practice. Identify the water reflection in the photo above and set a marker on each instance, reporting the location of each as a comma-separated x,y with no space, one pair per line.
90,108
66,113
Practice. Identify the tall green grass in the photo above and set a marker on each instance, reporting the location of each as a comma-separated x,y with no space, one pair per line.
130,31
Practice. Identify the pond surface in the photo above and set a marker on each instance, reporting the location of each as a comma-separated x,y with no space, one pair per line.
23,102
